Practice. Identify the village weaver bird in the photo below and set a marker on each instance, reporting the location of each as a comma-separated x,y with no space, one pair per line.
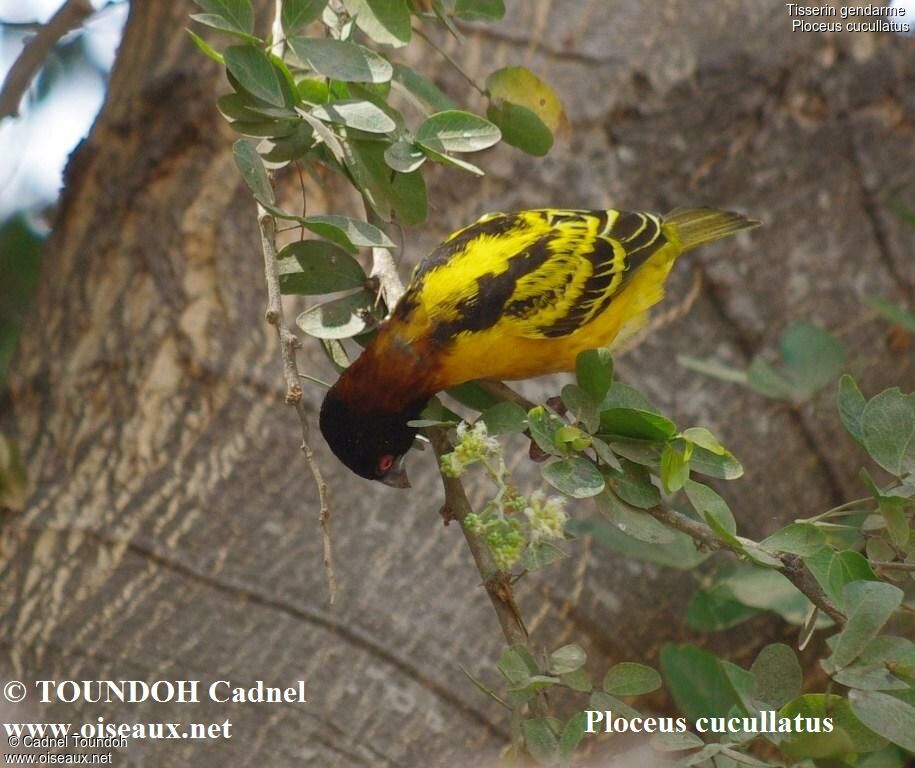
512,296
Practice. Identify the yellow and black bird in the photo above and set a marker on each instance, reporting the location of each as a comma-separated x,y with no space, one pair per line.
512,296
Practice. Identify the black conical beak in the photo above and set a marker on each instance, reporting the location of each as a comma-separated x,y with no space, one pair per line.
397,475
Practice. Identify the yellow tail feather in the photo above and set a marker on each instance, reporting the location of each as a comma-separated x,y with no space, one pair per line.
695,226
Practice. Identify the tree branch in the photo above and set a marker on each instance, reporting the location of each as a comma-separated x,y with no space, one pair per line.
36,51
792,567
497,583
289,342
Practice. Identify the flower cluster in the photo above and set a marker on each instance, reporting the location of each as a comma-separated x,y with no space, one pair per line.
510,521
473,445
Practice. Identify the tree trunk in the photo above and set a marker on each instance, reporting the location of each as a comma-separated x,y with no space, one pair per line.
172,532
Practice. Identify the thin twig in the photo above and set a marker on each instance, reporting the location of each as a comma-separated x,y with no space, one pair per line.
449,59
792,566
36,51
504,393
910,567
289,342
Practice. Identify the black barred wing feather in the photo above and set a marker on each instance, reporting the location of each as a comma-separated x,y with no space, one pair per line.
543,273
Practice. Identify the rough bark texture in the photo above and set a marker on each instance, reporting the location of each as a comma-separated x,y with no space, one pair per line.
172,529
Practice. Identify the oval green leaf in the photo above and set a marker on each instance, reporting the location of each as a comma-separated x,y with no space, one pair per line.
354,113
575,477
404,157
636,424
257,74
253,171
385,21
457,131
341,60
297,13
312,267
341,318
631,679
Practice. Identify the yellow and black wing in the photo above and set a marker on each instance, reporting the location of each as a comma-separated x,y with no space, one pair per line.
541,274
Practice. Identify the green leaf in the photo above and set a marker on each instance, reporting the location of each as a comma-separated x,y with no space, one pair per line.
869,605
258,75
886,715
777,675
340,60
572,735
253,171
517,665
874,670
579,680
581,406
353,113
888,429
283,149
801,539
473,396
457,131
704,439
521,128
706,502
637,424
479,10
724,466
897,524
575,477
346,231
543,425
540,740
237,14
633,485
297,13
765,589
893,313
455,162
622,395
567,659
385,21
812,357
766,380
849,734
391,194
674,469
272,129
223,25
713,368
311,267
340,318
205,47
504,418
422,89
594,372
541,553
844,568
633,522
520,87
681,553
675,742
851,405
715,609
630,679
604,702
701,684
313,90
403,156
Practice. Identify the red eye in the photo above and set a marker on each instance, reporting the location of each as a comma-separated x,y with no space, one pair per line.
386,462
